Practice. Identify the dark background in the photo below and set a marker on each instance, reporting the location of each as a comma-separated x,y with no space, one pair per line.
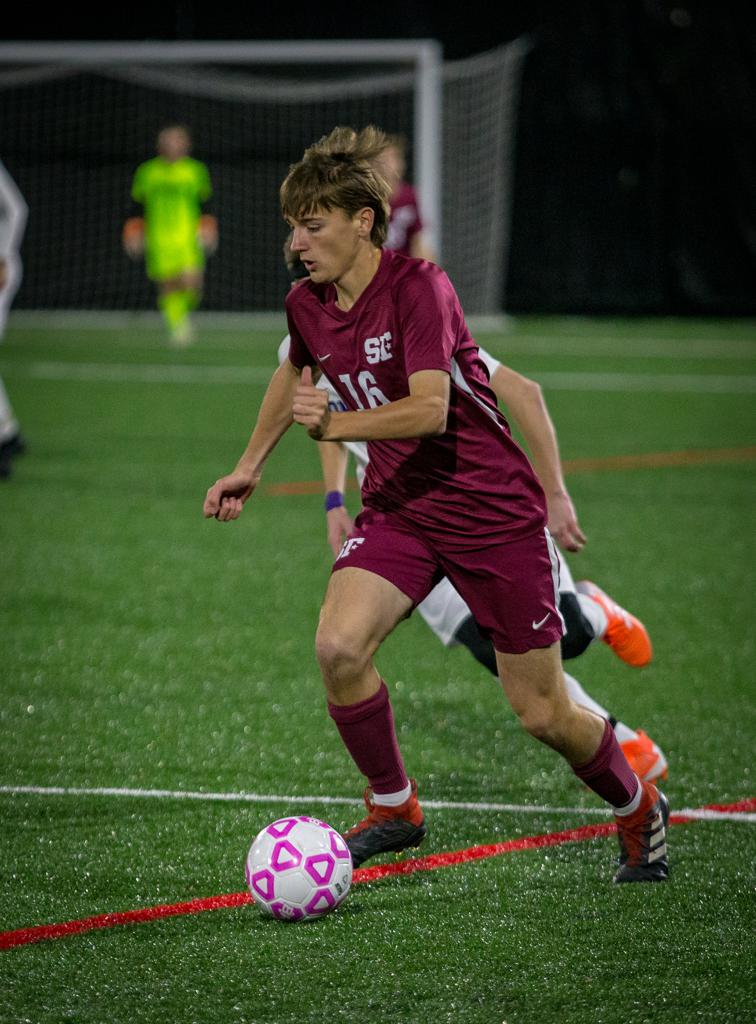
635,187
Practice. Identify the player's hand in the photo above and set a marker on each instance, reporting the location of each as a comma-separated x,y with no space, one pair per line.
310,406
225,499
207,233
563,523
133,248
339,526
133,237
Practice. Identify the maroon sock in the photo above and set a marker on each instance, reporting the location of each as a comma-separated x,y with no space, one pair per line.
367,729
608,773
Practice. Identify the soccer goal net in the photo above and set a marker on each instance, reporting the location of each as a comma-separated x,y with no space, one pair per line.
77,119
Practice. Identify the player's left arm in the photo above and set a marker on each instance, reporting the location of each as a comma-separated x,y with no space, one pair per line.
527,409
334,459
421,414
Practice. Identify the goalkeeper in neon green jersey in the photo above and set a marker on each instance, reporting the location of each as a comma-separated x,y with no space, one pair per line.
174,235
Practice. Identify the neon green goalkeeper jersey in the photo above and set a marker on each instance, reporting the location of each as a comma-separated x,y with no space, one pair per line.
172,194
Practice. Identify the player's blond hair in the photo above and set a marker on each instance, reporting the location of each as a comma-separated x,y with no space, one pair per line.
338,173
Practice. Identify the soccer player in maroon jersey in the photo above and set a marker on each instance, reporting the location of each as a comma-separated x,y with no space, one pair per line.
405,230
447,493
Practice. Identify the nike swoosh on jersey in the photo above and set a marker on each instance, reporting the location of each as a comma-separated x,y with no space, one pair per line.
537,625
326,356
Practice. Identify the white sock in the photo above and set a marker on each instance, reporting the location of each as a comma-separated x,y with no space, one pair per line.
624,732
393,799
8,422
594,613
622,812
579,696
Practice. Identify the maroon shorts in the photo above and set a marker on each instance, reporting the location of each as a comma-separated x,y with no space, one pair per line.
511,587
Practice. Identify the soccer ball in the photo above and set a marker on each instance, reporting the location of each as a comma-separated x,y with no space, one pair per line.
299,868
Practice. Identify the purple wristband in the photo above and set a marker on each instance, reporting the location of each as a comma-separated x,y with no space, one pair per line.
334,499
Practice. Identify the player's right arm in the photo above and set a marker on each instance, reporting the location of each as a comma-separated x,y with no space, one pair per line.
226,498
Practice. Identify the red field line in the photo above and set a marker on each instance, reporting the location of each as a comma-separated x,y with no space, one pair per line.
643,460
41,933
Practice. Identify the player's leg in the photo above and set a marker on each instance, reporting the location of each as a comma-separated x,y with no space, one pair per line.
617,627
381,572
643,755
11,441
512,591
579,629
10,436
173,304
447,614
534,685
359,611
192,282
590,614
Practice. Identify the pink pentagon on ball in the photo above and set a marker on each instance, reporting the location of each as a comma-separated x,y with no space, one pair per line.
320,868
322,901
285,913
339,847
285,856
281,828
262,883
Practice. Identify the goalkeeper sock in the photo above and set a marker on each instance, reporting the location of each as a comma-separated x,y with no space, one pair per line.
174,308
192,298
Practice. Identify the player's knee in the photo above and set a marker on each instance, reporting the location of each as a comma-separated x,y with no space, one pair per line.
339,654
578,633
540,721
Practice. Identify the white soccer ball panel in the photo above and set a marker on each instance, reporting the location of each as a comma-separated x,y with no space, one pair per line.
298,868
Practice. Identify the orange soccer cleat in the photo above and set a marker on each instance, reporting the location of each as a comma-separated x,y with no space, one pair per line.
386,829
626,635
643,839
645,757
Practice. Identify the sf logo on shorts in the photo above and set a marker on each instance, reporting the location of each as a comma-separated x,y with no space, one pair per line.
349,546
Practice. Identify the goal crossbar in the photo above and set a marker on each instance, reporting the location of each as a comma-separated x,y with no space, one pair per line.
423,56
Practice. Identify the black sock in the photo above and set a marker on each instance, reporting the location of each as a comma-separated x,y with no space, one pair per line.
479,646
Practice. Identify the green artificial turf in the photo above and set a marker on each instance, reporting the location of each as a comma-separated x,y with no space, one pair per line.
145,647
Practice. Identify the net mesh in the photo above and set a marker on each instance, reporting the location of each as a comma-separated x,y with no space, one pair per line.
73,136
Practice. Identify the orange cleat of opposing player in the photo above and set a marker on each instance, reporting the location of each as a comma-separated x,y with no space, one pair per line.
645,757
626,635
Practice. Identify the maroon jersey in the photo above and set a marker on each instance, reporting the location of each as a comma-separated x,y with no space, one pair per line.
473,480
405,220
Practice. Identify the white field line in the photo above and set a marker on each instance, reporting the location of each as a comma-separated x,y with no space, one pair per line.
565,339
270,798
149,373
167,373
624,348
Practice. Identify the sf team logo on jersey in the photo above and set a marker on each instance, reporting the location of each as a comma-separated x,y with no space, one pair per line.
378,350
